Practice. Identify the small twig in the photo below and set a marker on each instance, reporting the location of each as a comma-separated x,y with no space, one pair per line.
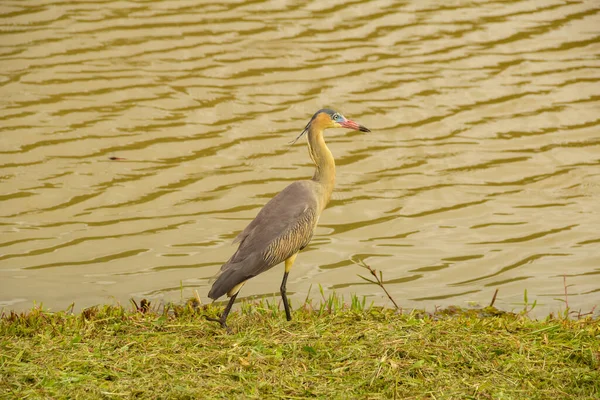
566,292
198,298
591,312
378,280
494,298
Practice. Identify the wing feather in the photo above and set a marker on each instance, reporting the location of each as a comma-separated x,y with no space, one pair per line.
284,226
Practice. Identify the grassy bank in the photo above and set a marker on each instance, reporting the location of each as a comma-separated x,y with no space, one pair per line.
326,352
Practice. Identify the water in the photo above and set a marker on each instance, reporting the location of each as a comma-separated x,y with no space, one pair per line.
482,170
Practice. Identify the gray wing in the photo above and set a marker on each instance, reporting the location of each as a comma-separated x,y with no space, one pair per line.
284,226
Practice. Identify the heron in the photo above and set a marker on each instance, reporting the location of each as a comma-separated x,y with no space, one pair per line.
286,224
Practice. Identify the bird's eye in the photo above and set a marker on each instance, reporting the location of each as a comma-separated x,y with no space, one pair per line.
336,117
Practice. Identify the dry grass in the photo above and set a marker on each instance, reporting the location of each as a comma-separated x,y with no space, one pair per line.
330,351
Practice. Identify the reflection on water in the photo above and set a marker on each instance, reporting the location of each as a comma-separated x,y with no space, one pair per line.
482,170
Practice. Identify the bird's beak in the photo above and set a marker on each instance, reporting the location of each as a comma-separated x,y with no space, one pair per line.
353,125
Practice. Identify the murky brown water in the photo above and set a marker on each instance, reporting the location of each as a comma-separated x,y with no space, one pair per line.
482,170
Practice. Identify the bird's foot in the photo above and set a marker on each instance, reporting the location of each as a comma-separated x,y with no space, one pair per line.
221,322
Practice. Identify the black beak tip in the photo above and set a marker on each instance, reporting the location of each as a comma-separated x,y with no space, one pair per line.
363,129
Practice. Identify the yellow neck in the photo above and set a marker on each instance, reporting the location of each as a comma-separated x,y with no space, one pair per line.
324,162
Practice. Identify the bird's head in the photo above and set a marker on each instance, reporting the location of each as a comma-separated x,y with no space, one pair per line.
332,119
327,118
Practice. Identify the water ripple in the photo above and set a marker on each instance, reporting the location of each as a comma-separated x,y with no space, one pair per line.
139,139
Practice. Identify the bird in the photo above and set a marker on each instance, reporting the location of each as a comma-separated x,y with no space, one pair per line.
286,224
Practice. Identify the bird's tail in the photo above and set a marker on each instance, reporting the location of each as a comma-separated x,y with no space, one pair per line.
234,273
226,280
217,289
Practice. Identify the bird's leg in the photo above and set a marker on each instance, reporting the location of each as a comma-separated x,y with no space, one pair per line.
222,320
286,305
288,265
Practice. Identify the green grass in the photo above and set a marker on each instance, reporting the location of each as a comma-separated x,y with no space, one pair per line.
328,351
